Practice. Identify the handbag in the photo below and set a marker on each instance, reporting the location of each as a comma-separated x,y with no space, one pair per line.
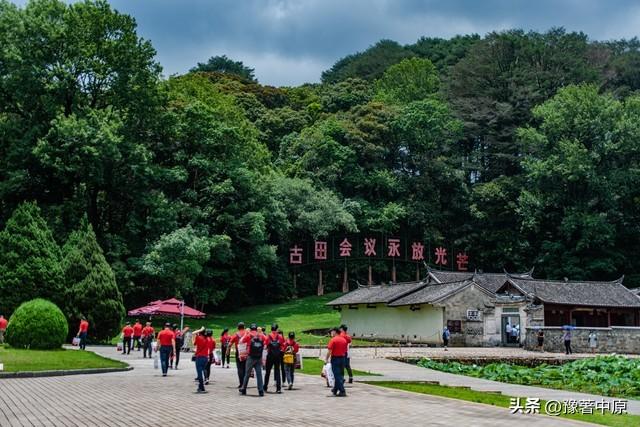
289,358
75,341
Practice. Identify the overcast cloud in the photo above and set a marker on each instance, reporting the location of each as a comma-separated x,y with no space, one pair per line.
291,42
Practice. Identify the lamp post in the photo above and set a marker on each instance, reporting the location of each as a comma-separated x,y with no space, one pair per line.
181,314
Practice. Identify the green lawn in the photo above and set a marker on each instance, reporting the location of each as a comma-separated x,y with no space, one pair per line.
47,360
313,366
500,400
295,315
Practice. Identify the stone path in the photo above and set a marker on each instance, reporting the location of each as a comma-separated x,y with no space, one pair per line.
370,360
143,398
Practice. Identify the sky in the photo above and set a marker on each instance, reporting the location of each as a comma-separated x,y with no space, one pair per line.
291,42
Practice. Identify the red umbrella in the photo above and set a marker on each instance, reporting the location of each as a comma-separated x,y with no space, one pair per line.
170,307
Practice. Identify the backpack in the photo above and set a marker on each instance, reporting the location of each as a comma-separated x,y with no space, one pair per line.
445,335
274,346
289,357
256,347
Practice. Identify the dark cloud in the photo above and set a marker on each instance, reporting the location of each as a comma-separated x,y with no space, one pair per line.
290,42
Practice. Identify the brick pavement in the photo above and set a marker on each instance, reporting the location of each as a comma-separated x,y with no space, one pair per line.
143,398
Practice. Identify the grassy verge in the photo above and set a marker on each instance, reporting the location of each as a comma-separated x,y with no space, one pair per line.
495,399
313,366
52,360
293,316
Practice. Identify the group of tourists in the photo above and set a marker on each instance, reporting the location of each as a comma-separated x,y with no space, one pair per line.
254,350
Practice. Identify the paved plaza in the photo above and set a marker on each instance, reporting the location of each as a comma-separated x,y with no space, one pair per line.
143,398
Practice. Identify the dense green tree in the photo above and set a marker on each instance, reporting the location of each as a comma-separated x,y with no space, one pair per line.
411,79
443,53
369,64
91,289
29,260
581,173
222,64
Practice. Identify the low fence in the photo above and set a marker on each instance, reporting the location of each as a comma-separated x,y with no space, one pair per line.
616,339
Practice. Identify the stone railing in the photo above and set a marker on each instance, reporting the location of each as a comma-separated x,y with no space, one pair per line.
616,339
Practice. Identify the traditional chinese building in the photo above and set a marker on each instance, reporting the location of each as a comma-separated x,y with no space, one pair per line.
489,309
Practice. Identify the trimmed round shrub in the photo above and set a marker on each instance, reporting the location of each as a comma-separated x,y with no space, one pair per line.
37,324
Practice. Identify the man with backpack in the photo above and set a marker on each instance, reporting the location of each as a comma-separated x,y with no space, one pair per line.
445,337
148,334
241,352
275,348
291,349
255,343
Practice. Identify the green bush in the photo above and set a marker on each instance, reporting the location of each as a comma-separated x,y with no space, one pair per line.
37,324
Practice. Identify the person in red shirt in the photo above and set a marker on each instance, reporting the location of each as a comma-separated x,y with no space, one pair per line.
167,343
137,333
347,359
291,349
337,351
255,342
201,353
147,338
275,347
127,333
241,352
211,344
82,333
3,328
225,340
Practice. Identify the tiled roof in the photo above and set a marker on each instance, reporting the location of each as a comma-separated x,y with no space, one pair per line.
600,294
377,294
430,294
489,281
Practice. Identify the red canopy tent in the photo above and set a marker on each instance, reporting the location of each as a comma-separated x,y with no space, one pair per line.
170,307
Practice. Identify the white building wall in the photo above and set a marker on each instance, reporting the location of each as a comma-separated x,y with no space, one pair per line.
395,323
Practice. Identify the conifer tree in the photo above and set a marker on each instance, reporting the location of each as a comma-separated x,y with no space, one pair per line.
29,260
92,290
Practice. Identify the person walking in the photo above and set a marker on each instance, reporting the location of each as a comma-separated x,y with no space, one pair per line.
541,340
283,374
224,346
175,356
201,354
291,349
255,344
275,347
337,351
347,358
3,328
127,333
148,334
566,337
446,335
167,343
593,341
137,334
241,352
211,345
82,333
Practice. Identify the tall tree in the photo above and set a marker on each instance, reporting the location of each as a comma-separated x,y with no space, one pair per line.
581,174
29,260
91,290
412,79
222,64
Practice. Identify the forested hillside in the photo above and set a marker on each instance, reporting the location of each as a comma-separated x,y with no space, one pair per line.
522,147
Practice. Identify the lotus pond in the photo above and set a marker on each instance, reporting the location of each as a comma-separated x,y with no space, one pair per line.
615,376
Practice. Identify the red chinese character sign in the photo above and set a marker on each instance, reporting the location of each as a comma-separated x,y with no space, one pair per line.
320,251
462,260
369,246
345,248
295,255
417,251
441,256
372,247
394,248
